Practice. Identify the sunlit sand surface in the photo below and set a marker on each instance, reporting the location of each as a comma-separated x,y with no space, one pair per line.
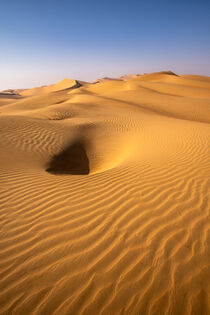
104,200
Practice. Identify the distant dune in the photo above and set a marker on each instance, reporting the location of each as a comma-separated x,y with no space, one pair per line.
105,196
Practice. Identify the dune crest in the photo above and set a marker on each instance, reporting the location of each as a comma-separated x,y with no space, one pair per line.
105,196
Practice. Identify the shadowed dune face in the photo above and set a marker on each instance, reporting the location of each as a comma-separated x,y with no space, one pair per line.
73,160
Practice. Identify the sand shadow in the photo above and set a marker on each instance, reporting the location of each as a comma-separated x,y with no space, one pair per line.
72,160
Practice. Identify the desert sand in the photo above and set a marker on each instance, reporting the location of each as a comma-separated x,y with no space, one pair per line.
105,197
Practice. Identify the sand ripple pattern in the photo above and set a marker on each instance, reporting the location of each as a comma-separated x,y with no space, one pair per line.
131,238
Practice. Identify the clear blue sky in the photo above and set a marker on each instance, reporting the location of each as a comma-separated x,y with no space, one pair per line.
42,42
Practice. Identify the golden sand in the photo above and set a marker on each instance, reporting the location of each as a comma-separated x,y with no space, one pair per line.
105,197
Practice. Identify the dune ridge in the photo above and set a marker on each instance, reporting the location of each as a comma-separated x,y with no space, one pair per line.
105,197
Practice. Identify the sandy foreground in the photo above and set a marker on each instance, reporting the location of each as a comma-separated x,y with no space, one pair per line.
105,197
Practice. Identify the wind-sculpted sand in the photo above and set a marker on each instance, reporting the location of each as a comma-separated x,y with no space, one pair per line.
104,200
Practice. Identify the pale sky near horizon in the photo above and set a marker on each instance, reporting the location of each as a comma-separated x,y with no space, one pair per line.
42,42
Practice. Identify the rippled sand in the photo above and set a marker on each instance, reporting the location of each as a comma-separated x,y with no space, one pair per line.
104,197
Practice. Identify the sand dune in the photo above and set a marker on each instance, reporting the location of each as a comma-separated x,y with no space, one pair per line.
105,197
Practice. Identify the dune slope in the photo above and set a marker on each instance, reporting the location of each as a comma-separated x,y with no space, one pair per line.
105,197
